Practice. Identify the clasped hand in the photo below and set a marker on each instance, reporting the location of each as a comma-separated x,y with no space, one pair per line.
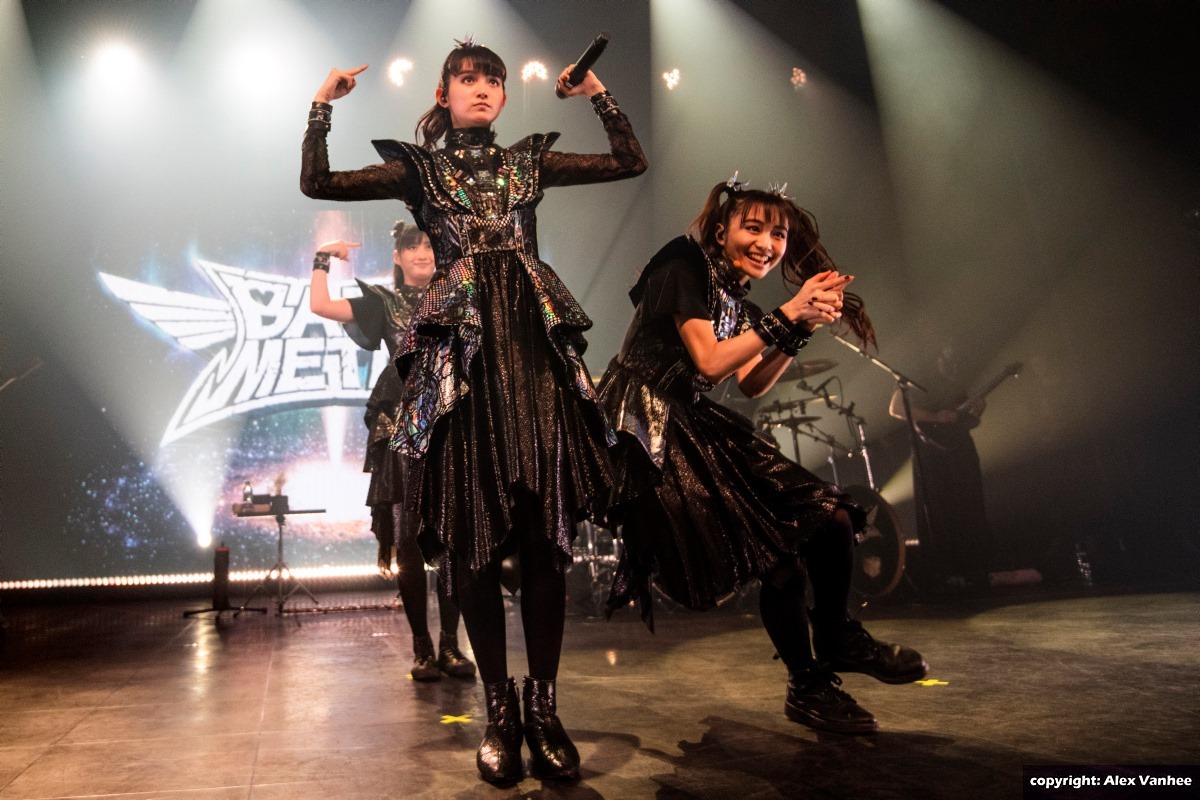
820,299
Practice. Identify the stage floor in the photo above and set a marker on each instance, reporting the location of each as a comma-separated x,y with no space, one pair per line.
129,700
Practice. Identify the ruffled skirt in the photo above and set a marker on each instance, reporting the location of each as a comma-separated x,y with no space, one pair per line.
522,453
725,508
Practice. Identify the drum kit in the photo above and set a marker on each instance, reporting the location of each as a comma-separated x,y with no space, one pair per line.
880,556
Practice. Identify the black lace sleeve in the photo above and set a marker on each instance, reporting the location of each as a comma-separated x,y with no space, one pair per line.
391,181
625,159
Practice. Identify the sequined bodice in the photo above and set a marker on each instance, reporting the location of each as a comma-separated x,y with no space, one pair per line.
477,170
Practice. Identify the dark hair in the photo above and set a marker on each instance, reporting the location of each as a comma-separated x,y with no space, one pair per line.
435,122
805,255
404,234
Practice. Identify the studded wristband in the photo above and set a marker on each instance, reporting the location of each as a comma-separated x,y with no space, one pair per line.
796,342
774,328
321,261
605,105
321,115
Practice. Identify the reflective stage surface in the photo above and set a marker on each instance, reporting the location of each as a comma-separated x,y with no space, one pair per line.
130,700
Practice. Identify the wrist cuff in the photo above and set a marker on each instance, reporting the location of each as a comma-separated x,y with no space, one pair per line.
605,105
320,115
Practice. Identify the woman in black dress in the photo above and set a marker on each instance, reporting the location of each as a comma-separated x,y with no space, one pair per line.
704,505
506,436
381,315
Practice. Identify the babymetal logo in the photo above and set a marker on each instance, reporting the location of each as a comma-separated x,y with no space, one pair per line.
265,348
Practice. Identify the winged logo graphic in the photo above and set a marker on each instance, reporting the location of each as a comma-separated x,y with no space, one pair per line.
265,348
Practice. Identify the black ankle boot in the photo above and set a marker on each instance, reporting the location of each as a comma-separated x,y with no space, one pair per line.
424,666
499,756
551,753
814,699
849,648
450,659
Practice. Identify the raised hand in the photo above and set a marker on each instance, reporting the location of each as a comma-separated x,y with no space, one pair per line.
338,83
589,86
338,249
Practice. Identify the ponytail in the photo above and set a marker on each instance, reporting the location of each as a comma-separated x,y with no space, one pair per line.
436,123
805,255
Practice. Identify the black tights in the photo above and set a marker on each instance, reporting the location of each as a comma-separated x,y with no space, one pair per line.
543,610
827,560
410,577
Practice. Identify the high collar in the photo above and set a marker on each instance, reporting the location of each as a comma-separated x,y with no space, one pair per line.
470,137
732,281
410,292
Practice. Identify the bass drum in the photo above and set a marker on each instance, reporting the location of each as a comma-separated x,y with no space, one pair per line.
879,557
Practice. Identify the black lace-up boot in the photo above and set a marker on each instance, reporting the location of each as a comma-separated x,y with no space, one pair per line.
552,754
851,649
450,659
424,666
814,699
499,756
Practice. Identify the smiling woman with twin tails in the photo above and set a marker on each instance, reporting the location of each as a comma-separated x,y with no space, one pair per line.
704,504
507,445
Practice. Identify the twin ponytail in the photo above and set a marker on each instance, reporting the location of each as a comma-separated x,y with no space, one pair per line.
805,255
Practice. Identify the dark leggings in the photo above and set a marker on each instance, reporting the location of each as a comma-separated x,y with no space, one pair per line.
827,561
410,577
543,609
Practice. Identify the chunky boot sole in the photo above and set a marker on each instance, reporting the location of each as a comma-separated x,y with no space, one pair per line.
915,674
806,717
426,674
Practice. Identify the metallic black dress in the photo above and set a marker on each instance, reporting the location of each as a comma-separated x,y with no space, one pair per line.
703,504
498,414
381,316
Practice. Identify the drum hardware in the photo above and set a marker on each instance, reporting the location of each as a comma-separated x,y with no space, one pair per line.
806,369
597,550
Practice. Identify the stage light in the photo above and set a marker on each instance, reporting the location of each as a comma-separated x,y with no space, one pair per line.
534,69
116,62
399,69
671,78
799,78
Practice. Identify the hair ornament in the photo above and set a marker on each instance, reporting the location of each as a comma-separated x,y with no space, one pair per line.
466,41
780,190
734,184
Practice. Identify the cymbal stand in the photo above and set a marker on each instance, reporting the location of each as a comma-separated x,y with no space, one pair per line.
857,428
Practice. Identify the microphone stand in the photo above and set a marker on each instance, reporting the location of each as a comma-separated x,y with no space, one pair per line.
904,384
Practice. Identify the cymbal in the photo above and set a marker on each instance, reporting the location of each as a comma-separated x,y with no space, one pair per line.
790,422
806,369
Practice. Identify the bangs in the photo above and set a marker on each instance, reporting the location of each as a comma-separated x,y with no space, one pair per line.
410,237
772,210
478,58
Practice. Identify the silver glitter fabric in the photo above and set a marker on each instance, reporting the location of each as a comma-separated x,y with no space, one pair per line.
498,419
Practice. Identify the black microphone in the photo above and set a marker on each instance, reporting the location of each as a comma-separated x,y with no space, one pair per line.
585,62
